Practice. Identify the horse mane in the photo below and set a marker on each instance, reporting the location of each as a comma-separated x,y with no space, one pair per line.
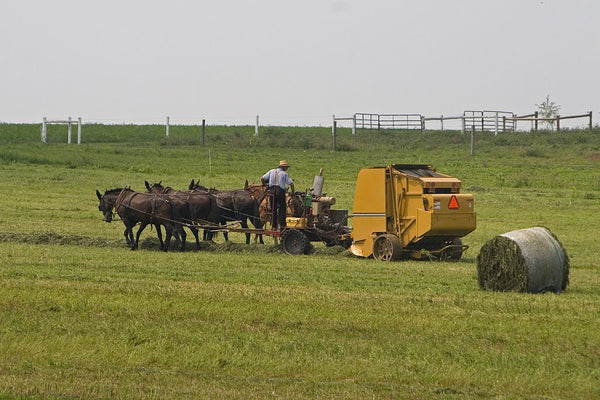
117,190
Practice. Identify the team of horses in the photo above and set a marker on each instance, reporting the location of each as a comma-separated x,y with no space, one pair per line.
197,208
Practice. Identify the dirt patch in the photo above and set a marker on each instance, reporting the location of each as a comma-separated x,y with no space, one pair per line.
595,156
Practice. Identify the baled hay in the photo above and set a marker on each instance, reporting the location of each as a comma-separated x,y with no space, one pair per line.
527,260
501,266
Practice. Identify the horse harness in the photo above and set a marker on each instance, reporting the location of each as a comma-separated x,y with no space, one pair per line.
125,201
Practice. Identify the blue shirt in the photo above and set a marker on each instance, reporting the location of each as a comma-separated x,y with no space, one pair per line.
277,177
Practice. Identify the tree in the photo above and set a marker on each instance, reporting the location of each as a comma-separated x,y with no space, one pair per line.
548,109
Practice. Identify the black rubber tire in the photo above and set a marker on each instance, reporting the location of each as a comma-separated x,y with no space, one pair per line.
294,242
456,252
387,248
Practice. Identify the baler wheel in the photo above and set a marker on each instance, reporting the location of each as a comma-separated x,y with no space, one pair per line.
294,242
456,252
387,248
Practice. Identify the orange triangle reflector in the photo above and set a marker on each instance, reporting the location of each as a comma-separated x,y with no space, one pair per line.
453,204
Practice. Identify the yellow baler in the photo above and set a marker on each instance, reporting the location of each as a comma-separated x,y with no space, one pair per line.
402,210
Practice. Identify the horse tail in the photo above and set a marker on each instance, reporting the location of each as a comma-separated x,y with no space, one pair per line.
214,214
256,221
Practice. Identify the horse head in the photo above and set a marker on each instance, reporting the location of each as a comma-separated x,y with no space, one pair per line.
197,186
257,191
106,205
295,204
155,187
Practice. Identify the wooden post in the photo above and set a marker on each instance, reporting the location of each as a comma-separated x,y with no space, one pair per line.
203,130
167,132
79,130
504,123
256,127
462,128
473,141
536,121
354,124
591,121
44,130
442,121
422,125
558,123
69,131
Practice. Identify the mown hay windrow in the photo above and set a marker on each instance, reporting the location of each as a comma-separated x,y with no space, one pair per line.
527,260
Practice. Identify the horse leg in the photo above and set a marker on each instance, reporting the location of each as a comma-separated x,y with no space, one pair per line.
194,231
244,224
137,235
160,237
128,236
181,235
258,224
128,233
169,233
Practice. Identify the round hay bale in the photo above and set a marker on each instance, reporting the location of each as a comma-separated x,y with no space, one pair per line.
526,260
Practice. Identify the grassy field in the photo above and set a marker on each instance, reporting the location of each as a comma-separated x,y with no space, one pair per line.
82,316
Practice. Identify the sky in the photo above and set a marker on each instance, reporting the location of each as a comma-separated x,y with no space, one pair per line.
293,62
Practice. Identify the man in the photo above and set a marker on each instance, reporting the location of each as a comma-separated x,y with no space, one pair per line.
277,179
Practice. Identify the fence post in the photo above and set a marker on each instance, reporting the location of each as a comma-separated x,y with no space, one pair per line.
473,141
256,126
536,120
79,130
354,123
558,123
591,121
504,123
69,131
422,125
167,127
203,130
333,133
496,127
442,121
462,128
44,130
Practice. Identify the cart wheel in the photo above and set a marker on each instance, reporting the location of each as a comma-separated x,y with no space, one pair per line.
456,252
294,242
387,248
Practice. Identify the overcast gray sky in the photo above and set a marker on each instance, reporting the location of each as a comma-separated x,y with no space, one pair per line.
293,62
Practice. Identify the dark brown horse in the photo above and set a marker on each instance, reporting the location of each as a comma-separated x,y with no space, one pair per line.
195,207
142,208
238,205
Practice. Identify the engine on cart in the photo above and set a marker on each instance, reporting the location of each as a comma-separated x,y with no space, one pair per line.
313,220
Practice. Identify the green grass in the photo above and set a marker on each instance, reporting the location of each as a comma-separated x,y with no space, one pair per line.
81,316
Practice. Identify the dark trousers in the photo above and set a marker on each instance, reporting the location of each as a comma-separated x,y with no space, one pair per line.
279,206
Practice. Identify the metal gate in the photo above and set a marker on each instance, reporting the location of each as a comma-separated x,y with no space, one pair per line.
388,121
491,121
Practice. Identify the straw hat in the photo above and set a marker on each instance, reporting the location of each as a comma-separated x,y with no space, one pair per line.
284,163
